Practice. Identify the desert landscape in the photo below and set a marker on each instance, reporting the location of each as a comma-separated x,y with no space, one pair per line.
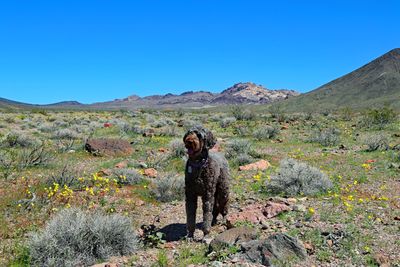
91,185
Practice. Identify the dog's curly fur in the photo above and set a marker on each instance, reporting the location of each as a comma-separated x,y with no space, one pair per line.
206,175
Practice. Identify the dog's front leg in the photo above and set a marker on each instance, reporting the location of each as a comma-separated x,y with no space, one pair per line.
191,206
208,204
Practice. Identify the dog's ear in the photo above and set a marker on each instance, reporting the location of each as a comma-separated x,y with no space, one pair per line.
209,139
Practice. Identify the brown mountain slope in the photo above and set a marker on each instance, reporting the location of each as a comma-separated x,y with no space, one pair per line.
374,84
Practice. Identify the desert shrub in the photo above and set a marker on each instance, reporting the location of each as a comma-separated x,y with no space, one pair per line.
169,188
14,139
225,122
243,159
65,177
378,117
188,124
242,114
66,134
376,142
326,137
241,130
170,131
8,159
159,123
277,112
46,127
266,132
177,148
127,176
77,238
237,147
34,156
297,178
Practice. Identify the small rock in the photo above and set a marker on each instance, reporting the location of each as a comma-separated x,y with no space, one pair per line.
162,150
299,207
329,242
232,236
121,165
104,172
150,172
109,147
292,200
259,165
276,247
272,209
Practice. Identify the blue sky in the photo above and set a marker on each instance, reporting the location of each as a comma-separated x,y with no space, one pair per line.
93,51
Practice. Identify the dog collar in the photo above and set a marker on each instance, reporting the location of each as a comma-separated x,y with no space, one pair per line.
198,164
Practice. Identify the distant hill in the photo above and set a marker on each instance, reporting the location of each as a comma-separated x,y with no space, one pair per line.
240,93
374,84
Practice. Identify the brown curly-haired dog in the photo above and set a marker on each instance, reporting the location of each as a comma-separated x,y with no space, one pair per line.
206,175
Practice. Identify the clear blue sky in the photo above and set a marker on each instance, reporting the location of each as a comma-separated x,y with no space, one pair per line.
100,50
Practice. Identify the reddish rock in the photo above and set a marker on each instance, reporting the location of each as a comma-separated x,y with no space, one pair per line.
107,125
104,172
284,127
150,172
162,150
121,165
259,165
272,209
257,213
108,146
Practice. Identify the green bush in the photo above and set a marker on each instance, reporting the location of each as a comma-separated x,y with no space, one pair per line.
169,188
376,142
326,137
297,178
266,132
379,117
77,238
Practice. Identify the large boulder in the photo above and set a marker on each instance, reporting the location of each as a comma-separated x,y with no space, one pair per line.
258,212
232,237
108,147
274,249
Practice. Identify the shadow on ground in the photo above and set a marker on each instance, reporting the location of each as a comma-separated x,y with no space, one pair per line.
175,231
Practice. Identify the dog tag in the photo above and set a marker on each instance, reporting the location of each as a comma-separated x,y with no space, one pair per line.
189,169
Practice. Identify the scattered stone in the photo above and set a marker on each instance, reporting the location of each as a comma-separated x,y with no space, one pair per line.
233,236
105,264
150,172
122,164
382,259
107,125
278,246
284,127
162,150
104,172
309,247
251,213
109,147
291,200
257,213
300,208
272,209
259,165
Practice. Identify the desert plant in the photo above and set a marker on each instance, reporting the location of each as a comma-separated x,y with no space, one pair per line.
66,134
297,178
241,114
127,176
376,142
34,156
66,177
14,139
326,137
237,147
225,122
77,238
277,113
177,148
266,132
243,159
8,158
169,188
378,117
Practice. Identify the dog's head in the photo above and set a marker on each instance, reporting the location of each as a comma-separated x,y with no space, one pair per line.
198,140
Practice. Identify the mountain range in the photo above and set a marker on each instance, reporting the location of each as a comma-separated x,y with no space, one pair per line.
374,84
